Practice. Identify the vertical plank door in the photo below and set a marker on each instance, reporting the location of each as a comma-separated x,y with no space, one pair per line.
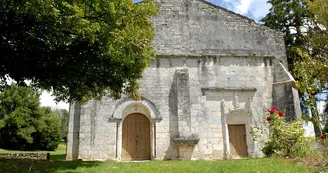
136,138
237,140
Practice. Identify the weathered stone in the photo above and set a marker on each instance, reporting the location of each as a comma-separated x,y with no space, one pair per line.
33,156
213,68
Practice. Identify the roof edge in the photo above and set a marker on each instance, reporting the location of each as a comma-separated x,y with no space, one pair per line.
242,16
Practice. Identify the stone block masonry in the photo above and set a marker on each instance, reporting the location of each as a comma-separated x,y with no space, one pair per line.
33,156
215,71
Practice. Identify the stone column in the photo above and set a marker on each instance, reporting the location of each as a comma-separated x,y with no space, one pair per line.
184,119
226,144
73,137
154,139
119,140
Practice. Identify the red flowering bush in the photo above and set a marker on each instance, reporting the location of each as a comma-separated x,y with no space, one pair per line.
271,111
285,139
274,114
275,108
323,136
268,119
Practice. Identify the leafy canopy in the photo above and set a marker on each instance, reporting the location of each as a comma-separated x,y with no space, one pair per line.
78,49
311,69
24,125
289,17
303,24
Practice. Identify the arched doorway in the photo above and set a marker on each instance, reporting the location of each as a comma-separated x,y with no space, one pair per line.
136,137
238,124
237,140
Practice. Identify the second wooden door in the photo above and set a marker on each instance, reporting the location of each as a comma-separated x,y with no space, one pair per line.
237,139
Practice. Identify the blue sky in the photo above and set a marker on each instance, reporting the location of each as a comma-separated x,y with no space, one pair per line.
254,9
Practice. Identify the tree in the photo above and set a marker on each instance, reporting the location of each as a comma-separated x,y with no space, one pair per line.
289,17
78,49
302,35
49,133
24,124
311,69
64,115
311,73
18,115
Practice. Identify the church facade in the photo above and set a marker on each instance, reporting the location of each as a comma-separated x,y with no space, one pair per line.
214,74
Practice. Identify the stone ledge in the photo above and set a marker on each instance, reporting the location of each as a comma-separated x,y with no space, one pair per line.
183,141
190,140
33,156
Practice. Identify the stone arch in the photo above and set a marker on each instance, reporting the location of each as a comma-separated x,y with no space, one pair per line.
235,117
127,106
238,116
133,108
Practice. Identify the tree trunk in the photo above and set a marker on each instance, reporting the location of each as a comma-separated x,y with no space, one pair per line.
315,116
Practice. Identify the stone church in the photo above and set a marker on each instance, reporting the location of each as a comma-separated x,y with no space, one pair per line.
214,73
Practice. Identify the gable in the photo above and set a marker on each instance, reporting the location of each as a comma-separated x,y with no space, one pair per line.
197,27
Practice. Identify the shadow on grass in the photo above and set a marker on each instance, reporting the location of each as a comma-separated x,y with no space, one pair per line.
43,166
57,156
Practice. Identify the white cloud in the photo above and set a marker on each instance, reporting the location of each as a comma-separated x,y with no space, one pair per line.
254,9
259,8
47,100
243,6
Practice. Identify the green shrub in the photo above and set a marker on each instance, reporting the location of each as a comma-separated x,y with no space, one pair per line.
323,141
285,139
24,125
48,135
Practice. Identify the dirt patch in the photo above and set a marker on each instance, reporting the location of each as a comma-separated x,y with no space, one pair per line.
316,163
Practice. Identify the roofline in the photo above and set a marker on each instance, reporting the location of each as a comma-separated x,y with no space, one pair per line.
234,13
224,9
219,7
245,17
210,56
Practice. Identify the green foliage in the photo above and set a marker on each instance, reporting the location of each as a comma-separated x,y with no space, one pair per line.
319,9
289,17
324,147
26,125
64,115
18,113
303,23
285,139
311,70
78,49
267,165
49,134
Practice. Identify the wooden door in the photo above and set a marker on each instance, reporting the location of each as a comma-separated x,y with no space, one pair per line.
136,138
237,139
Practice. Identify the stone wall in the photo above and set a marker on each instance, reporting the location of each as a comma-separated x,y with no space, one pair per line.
34,156
208,82
211,64
196,27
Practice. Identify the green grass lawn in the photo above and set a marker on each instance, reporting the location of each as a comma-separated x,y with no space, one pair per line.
58,165
232,166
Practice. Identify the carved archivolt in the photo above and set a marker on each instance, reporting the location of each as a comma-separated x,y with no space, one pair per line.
128,106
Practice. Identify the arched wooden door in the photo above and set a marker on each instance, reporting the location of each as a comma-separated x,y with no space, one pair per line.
237,139
136,138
